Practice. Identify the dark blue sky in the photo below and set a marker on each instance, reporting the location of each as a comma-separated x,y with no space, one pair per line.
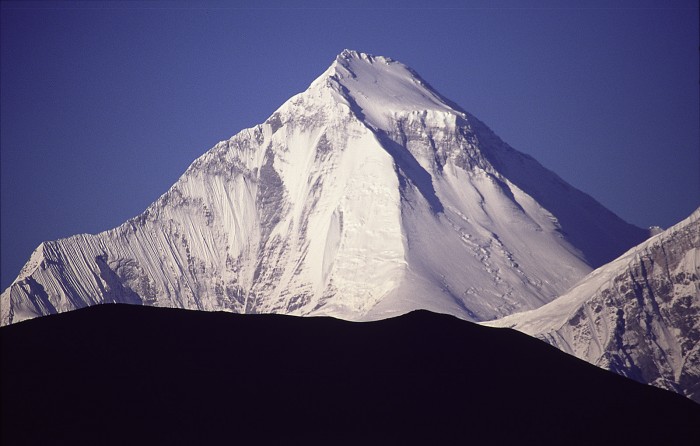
104,105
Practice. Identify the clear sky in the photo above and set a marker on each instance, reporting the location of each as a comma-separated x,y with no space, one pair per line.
105,104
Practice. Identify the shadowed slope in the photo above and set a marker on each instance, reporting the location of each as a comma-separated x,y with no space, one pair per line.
116,374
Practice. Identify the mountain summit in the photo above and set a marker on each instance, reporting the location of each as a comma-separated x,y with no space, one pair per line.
366,196
378,88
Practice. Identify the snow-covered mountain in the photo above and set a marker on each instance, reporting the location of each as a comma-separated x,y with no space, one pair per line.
366,196
638,316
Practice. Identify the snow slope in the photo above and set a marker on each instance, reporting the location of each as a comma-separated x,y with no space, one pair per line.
366,196
638,315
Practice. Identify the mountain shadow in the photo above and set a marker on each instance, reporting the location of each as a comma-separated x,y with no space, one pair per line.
119,374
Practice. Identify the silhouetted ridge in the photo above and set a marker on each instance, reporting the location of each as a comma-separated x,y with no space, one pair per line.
118,374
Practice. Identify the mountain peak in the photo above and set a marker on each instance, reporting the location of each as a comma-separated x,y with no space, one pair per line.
348,54
366,196
349,57
380,88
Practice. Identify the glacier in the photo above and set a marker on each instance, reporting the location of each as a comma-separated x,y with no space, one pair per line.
364,197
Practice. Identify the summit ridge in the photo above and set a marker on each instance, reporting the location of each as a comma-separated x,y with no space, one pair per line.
379,87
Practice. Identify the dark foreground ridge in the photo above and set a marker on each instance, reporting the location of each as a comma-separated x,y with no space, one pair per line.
118,374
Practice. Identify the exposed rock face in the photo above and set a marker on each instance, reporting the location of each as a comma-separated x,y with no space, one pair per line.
638,316
366,196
